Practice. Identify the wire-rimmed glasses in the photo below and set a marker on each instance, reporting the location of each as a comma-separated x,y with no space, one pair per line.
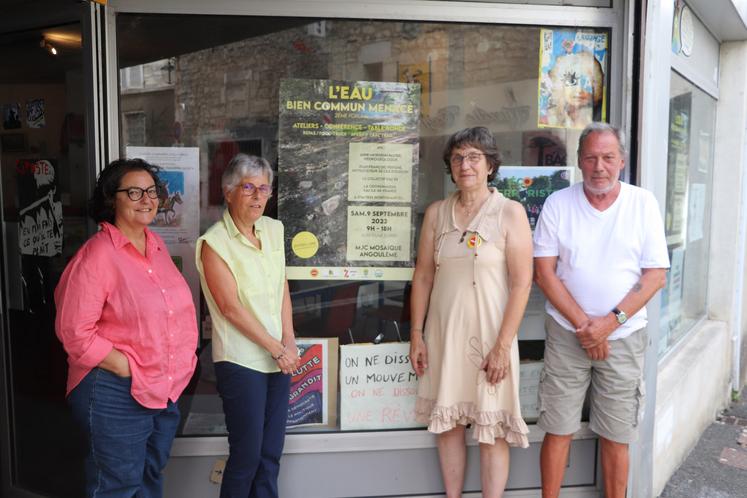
471,158
250,188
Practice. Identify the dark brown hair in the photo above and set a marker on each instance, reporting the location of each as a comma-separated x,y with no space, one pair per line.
478,137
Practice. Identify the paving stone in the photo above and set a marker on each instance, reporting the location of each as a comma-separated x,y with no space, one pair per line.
734,458
717,466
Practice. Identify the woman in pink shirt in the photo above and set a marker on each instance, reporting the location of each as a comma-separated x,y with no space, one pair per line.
127,321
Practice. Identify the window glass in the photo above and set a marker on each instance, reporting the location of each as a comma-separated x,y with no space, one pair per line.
242,84
689,182
46,180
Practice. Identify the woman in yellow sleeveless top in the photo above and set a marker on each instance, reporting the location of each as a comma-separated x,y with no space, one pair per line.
472,281
241,260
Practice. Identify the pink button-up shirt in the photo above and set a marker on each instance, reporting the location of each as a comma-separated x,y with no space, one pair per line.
111,296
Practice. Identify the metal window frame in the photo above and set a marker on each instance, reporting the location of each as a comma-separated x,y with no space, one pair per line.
95,131
615,19
619,20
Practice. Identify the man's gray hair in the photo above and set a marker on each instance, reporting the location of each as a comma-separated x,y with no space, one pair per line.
241,166
601,127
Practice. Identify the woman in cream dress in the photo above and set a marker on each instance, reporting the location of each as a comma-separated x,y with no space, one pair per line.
471,284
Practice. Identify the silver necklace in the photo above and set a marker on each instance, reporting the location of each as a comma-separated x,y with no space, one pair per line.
467,207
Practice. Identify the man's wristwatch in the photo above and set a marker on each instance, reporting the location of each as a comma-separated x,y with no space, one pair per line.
620,315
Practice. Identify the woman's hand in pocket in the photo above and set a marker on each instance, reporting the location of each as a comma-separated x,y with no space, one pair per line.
117,363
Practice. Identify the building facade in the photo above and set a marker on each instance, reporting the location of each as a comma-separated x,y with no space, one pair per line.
188,84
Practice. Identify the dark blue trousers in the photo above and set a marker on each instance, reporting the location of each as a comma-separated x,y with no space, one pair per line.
256,408
128,444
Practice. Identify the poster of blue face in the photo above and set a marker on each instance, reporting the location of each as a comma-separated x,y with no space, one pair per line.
572,86
170,199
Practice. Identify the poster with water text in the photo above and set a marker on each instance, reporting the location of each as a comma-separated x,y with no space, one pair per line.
347,161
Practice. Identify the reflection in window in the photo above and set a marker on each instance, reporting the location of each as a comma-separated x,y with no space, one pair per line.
689,183
133,128
226,73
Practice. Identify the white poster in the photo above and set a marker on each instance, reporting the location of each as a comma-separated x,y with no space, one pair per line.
675,282
178,218
377,387
696,212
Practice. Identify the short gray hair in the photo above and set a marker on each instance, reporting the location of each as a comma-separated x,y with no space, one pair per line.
601,127
241,166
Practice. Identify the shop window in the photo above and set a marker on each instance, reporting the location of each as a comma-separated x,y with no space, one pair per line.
242,84
688,204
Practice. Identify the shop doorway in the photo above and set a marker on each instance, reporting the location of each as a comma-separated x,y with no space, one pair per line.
46,178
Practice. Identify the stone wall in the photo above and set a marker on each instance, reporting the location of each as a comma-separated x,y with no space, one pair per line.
231,88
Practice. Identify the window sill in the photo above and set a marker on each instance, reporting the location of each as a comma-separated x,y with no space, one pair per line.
339,442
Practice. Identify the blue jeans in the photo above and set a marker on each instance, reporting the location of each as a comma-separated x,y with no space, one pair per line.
256,408
128,444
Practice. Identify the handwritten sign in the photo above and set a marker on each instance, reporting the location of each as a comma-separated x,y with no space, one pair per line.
377,387
529,374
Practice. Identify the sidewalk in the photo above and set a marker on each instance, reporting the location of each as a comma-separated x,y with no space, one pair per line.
717,466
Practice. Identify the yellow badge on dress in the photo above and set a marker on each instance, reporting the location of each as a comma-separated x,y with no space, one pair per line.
474,241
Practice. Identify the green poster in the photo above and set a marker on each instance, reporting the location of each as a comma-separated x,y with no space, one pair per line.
347,178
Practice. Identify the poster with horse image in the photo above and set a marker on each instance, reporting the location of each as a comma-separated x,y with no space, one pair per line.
170,199
178,218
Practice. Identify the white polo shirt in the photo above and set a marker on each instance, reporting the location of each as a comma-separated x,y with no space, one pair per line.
601,253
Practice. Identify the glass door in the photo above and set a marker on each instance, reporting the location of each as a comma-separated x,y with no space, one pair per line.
46,177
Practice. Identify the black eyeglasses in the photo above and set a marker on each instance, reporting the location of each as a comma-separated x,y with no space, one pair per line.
471,158
250,188
136,193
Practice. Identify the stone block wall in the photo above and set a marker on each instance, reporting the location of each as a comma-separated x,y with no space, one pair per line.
235,86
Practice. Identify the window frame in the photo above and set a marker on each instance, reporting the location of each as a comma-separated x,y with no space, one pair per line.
617,20
683,336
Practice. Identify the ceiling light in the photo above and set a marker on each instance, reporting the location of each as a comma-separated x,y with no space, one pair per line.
48,47
69,39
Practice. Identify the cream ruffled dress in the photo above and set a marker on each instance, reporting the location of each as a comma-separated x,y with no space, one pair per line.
469,295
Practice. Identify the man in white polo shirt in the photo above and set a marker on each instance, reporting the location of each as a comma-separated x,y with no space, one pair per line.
600,255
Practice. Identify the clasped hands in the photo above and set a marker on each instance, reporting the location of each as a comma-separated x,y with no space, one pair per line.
287,358
592,335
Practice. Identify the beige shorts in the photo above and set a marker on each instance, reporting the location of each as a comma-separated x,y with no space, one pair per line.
617,389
